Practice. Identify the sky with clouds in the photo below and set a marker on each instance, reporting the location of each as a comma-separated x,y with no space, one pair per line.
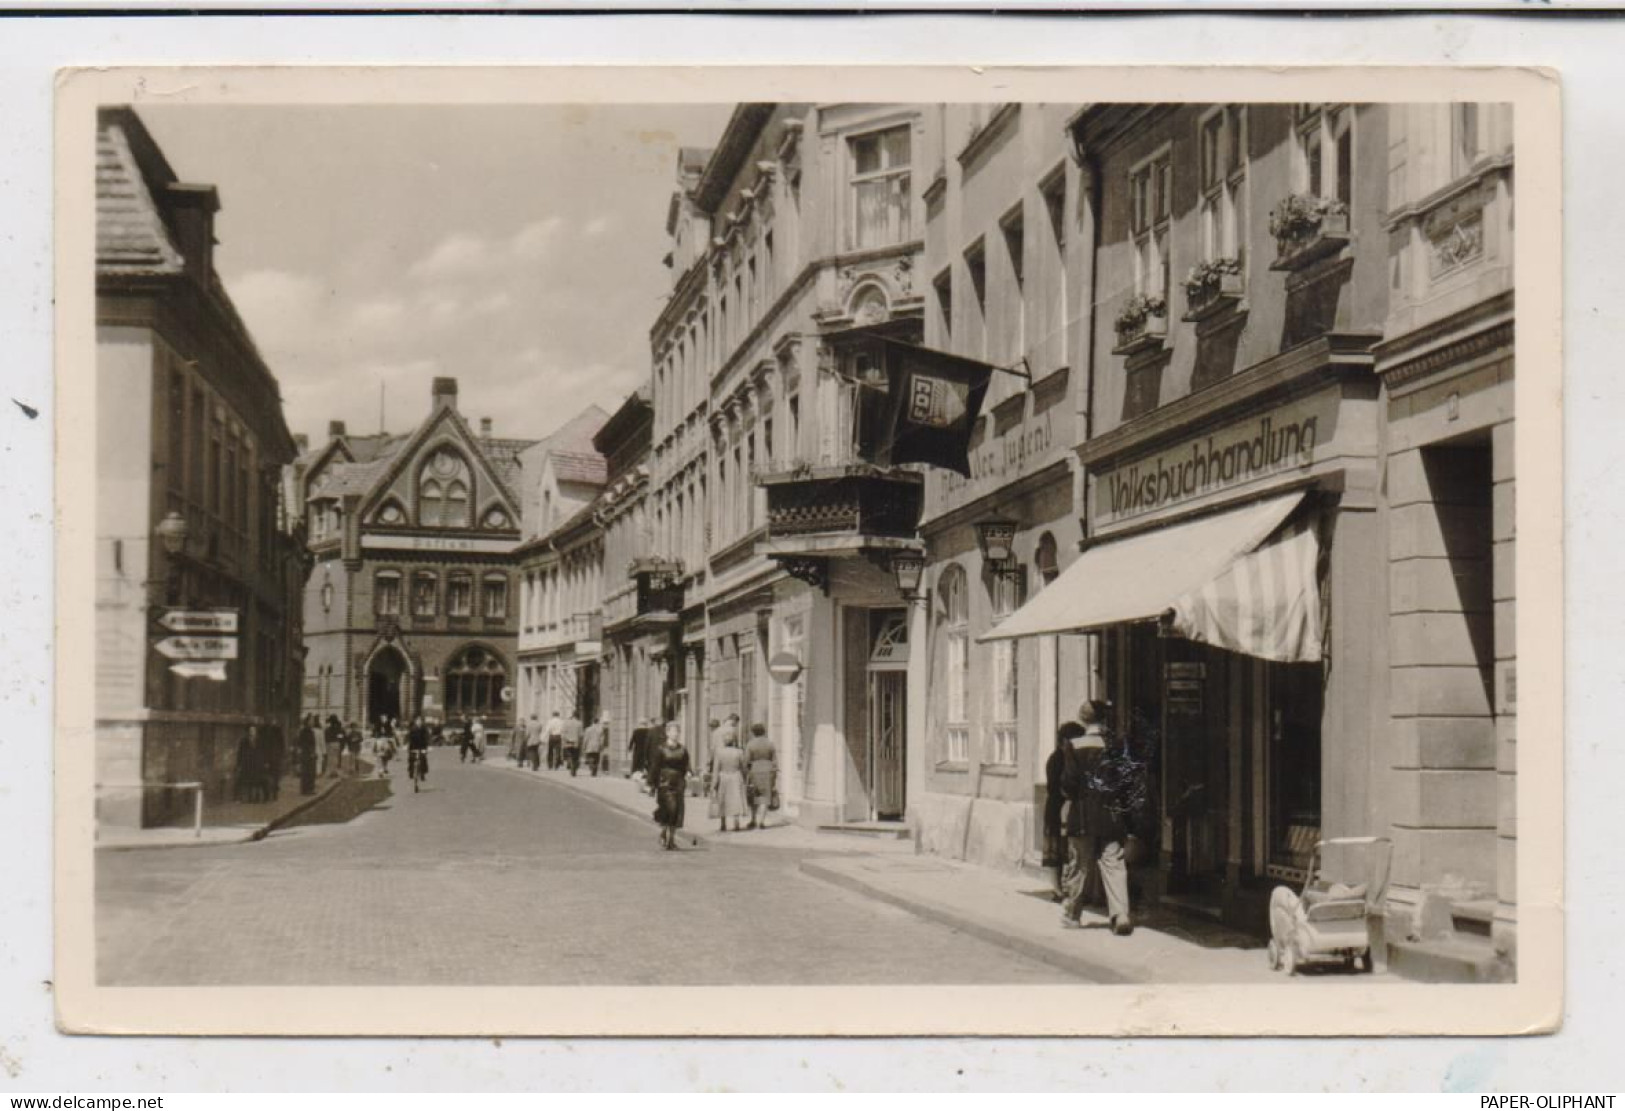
515,248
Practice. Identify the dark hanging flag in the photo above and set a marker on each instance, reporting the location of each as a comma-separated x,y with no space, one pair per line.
935,400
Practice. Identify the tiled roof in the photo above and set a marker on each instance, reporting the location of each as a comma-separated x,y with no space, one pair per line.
579,466
349,478
503,455
131,237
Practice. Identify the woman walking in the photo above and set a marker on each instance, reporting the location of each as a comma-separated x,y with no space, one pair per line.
728,783
761,775
670,766
1055,845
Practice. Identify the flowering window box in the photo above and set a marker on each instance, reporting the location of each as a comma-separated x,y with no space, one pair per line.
1307,229
1211,288
1141,325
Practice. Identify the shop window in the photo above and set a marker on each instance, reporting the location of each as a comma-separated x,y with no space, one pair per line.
387,594
460,595
1325,151
1151,186
880,191
424,590
1295,698
955,602
496,597
1008,590
1224,182
473,682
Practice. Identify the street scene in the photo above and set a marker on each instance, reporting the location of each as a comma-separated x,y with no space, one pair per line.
784,543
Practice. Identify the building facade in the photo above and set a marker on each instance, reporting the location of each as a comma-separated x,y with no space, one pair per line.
189,514
561,573
411,606
795,240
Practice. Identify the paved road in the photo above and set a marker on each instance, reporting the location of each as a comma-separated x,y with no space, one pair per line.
495,878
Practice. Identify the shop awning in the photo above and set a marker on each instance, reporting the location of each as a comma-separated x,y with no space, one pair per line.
1222,586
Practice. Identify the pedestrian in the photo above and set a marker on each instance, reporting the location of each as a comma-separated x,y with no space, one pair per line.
305,749
247,776
1055,843
516,747
384,750
275,757
1095,834
465,740
332,746
417,745
637,748
352,750
728,783
670,765
476,734
761,776
570,740
595,744
555,740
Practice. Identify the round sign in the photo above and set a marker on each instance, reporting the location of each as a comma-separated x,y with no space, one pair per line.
785,667
507,694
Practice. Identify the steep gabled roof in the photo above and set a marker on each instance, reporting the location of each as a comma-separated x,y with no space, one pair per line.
131,235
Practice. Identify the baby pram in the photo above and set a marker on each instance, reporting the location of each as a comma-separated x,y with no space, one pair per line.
1329,920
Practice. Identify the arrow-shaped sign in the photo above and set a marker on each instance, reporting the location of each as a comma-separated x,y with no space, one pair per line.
198,648
199,621
201,669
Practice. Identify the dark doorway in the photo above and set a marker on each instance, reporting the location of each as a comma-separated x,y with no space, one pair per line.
386,682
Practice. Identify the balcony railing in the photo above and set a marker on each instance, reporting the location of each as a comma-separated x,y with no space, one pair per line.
659,585
842,503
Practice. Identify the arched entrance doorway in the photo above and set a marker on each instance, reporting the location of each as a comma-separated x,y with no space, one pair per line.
387,687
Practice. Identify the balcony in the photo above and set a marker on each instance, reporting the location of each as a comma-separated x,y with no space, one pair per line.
815,513
659,589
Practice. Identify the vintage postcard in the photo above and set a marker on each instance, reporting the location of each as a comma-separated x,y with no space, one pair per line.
809,551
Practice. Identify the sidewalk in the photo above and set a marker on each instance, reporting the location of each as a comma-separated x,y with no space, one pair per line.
226,822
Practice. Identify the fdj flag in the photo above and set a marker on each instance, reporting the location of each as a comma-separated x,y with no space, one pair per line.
936,398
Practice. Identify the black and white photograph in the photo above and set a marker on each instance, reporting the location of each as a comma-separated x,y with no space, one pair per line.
978,551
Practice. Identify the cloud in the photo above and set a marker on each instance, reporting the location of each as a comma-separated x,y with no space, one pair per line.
455,255
493,303
380,315
277,304
595,227
532,241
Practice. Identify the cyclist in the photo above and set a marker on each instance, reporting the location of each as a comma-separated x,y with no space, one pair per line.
417,751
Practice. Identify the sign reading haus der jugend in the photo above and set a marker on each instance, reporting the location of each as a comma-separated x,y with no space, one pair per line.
1275,444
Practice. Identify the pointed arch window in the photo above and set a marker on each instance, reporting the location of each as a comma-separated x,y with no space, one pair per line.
443,491
473,683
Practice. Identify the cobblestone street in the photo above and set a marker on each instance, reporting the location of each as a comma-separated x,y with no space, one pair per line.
493,878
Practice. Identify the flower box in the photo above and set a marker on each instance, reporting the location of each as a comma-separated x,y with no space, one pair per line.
1211,287
1307,229
1142,324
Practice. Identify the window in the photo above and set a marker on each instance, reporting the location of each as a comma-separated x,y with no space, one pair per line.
473,683
424,590
976,270
793,442
194,436
1224,181
387,594
443,491
1014,229
943,284
1464,138
881,199
1325,158
1045,559
955,602
460,594
496,597
1151,186
1008,588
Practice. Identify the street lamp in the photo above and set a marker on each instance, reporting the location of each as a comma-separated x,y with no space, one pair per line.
172,530
908,567
995,536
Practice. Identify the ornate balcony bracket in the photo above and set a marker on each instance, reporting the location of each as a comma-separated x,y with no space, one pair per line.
808,569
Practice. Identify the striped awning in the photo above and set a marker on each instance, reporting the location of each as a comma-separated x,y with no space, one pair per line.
1143,577
1265,604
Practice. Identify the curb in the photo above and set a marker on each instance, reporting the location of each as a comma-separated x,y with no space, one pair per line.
637,812
283,819
1055,955
258,833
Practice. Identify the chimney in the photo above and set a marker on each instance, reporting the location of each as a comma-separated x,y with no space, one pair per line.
301,443
444,394
485,428
335,429
192,209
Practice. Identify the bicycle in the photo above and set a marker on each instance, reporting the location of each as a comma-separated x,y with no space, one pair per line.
417,767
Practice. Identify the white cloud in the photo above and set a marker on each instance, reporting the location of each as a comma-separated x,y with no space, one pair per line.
532,240
380,315
277,305
595,227
454,255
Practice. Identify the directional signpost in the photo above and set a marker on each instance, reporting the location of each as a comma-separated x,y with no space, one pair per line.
204,640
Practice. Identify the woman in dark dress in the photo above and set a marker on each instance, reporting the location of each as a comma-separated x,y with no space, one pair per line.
305,744
670,764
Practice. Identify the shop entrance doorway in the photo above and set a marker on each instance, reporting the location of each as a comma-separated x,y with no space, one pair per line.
888,712
386,687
